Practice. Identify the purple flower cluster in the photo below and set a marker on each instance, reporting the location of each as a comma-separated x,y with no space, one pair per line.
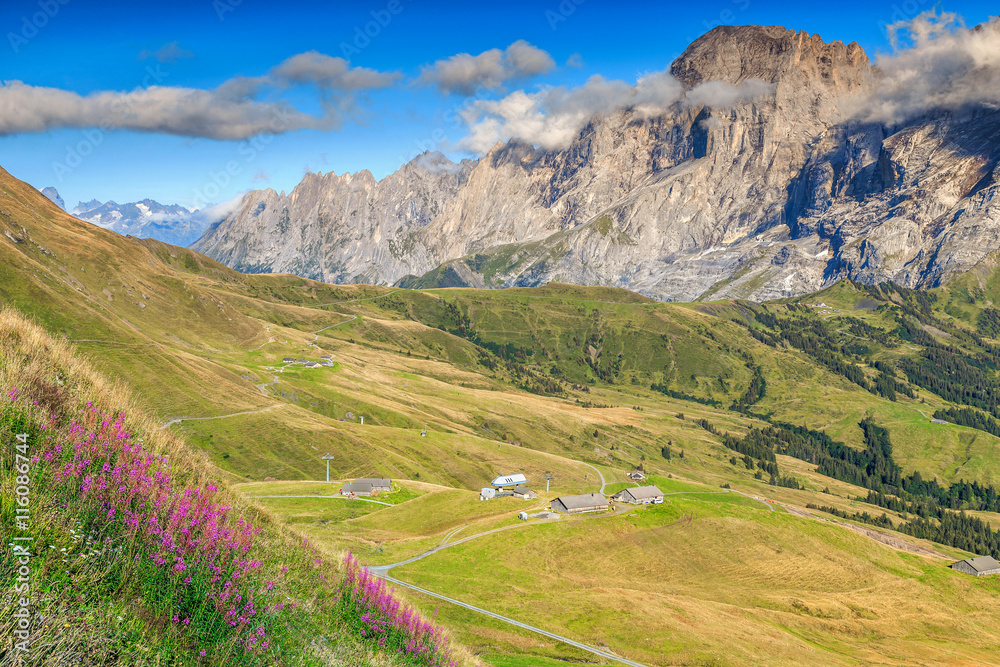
379,616
187,534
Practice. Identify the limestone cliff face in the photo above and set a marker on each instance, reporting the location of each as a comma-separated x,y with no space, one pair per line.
348,228
774,194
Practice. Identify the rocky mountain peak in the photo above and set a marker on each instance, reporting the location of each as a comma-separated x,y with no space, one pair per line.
775,191
770,53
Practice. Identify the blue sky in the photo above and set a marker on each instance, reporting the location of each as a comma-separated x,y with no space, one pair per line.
88,47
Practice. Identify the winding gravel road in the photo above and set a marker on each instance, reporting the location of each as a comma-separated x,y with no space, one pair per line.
317,333
178,420
603,483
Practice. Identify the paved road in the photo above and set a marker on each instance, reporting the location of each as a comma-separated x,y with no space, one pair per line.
384,569
261,386
524,626
603,483
235,414
367,500
757,498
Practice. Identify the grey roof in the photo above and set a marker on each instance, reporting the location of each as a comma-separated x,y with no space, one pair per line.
522,489
643,492
586,500
982,563
356,487
374,481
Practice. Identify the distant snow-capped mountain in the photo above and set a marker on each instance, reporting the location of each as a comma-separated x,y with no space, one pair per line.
169,223
54,197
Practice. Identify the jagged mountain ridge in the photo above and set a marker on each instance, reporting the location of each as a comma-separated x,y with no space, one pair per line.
340,229
772,196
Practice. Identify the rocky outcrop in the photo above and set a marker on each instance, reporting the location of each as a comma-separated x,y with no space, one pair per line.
761,195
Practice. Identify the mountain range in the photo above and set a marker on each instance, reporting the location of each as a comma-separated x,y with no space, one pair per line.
774,180
144,219
169,223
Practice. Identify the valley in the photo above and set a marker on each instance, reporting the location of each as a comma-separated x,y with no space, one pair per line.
558,380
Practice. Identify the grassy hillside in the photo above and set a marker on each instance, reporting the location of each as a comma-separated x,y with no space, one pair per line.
821,404
135,554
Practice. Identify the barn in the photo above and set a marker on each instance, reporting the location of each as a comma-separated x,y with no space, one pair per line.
524,493
588,502
380,484
358,488
640,495
978,567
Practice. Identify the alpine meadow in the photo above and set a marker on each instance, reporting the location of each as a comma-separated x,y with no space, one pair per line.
700,370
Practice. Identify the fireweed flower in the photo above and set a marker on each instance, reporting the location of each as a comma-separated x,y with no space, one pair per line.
197,550
377,614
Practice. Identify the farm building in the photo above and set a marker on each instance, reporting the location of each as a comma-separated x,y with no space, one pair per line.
524,493
642,495
978,567
588,502
378,484
636,475
288,360
358,488
487,493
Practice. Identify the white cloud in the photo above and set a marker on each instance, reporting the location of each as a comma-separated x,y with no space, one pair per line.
552,117
313,67
724,94
186,112
944,66
217,212
464,73
230,112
